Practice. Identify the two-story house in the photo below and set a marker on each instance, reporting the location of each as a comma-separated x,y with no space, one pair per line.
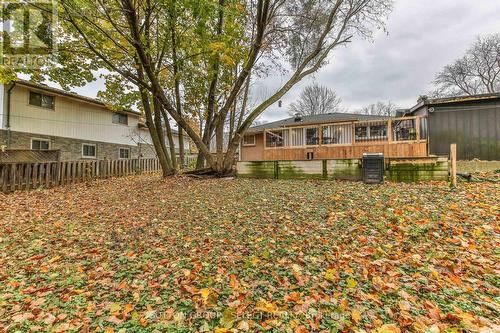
39,117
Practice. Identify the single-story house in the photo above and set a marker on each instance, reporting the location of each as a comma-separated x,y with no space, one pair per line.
472,122
335,136
38,117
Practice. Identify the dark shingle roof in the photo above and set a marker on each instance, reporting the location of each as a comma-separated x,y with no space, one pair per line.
316,119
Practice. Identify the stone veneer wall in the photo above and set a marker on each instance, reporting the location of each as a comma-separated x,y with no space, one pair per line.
71,149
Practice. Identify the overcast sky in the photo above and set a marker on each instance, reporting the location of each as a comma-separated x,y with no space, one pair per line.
423,36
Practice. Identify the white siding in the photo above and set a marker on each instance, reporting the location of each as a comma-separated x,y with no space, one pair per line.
144,137
71,118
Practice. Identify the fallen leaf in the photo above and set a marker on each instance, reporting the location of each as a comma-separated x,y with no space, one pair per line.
356,315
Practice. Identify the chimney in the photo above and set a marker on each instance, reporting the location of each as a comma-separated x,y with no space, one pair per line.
298,117
422,98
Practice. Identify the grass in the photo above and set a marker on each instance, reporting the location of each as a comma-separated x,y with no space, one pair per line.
142,254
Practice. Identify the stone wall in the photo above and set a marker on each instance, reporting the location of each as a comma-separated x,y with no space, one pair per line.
71,149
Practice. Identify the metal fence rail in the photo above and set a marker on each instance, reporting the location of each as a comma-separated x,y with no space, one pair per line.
25,176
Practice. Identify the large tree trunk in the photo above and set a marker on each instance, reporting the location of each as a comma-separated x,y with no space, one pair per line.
154,131
177,91
219,143
159,130
200,161
166,166
181,148
170,137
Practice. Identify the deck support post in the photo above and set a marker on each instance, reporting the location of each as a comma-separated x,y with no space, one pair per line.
453,160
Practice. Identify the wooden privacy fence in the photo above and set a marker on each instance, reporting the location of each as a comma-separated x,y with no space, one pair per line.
25,176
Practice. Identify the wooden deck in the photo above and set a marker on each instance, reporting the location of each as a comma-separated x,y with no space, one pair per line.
394,137
396,149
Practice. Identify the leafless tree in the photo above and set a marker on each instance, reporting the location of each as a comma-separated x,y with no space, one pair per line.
477,72
379,109
316,99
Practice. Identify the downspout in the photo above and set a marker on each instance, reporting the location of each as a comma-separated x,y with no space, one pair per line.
7,123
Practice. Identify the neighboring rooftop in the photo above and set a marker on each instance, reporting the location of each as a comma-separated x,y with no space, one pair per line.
315,119
424,100
69,94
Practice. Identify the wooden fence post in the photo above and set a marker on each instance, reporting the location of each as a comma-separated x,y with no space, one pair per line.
453,160
26,176
3,177
47,175
13,177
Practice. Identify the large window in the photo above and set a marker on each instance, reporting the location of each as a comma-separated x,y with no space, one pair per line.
277,138
89,150
249,140
336,134
404,130
361,131
312,136
42,100
40,144
378,132
119,118
375,131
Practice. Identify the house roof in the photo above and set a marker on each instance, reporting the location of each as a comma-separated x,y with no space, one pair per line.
72,95
315,119
423,101
143,125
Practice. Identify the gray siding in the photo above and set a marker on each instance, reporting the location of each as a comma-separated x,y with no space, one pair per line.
474,127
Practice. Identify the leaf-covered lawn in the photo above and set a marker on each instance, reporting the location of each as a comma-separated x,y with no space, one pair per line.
141,254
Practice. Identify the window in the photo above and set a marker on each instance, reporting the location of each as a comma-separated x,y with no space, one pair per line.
40,144
374,131
119,118
378,132
249,140
39,99
361,132
297,137
312,137
89,150
278,138
404,130
124,153
310,155
423,128
336,134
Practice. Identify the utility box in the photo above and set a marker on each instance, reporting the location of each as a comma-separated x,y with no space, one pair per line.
373,168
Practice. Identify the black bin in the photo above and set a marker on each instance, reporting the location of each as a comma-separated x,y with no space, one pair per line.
373,168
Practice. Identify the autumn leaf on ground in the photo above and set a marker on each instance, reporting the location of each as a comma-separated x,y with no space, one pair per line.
143,253
356,315
351,283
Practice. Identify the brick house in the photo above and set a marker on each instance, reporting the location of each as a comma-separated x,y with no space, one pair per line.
39,117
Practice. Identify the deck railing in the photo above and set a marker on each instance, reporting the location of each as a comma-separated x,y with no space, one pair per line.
391,130
25,176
